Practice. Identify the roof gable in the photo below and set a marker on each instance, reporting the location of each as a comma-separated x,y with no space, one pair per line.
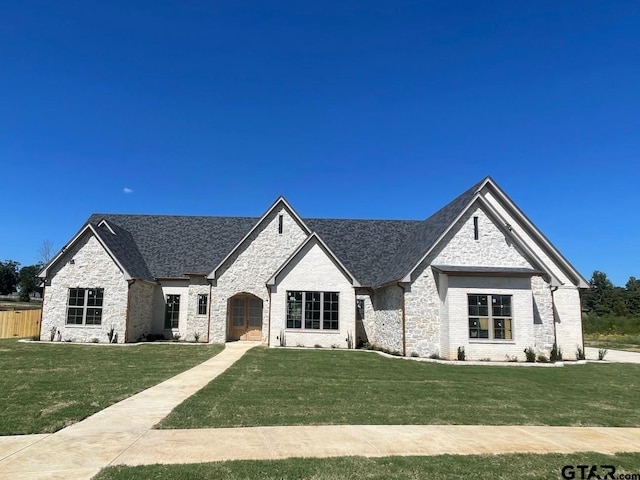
279,203
313,238
91,229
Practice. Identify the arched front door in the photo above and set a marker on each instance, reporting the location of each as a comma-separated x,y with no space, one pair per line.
245,317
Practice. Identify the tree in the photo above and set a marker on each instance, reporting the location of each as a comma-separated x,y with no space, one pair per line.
599,298
46,250
8,277
28,281
632,299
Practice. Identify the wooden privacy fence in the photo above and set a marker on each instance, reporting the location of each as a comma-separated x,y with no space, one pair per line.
20,323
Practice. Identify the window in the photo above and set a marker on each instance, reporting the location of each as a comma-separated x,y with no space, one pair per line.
490,317
172,311
280,224
318,309
360,307
203,300
475,228
85,306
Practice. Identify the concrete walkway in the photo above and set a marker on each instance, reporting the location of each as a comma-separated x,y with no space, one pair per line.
620,356
81,450
122,434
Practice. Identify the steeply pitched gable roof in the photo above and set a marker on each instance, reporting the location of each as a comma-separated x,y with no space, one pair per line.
375,252
425,235
172,246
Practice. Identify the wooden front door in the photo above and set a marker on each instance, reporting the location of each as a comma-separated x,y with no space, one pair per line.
246,318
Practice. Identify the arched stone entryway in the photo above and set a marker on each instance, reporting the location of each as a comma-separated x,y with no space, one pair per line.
244,317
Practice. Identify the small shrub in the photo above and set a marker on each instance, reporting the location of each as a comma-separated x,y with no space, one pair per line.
95,340
602,352
485,359
317,345
335,345
556,353
367,346
176,337
196,337
35,338
512,359
349,341
530,354
414,354
461,355
580,353
542,359
435,356
52,333
283,339
111,335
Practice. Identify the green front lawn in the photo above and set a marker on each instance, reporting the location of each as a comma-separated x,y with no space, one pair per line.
307,387
45,387
443,467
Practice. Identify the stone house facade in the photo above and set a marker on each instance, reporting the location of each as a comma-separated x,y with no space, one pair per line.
476,274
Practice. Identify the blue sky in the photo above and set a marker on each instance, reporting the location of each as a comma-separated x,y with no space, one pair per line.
368,109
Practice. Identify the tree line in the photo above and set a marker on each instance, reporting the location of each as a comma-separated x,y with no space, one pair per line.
603,298
24,280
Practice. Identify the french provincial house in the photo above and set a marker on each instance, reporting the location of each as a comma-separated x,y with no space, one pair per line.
476,274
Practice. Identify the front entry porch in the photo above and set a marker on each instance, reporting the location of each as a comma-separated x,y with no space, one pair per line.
245,318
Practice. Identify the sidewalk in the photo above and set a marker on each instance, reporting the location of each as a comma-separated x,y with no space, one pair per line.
268,443
81,450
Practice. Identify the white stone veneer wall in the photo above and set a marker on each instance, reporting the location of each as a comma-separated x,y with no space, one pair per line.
197,323
141,296
422,316
249,268
387,303
492,249
92,268
543,317
568,321
313,271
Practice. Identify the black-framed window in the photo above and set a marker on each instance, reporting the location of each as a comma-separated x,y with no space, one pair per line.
84,306
490,317
320,310
360,308
203,301
172,311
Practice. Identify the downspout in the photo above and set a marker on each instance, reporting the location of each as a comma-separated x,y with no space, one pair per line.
553,310
126,316
209,312
404,324
44,286
269,318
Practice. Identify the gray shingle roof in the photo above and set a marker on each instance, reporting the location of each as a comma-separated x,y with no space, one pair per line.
374,251
174,245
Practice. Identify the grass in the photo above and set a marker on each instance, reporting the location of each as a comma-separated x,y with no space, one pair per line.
630,342
307,387
46,387
442,467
